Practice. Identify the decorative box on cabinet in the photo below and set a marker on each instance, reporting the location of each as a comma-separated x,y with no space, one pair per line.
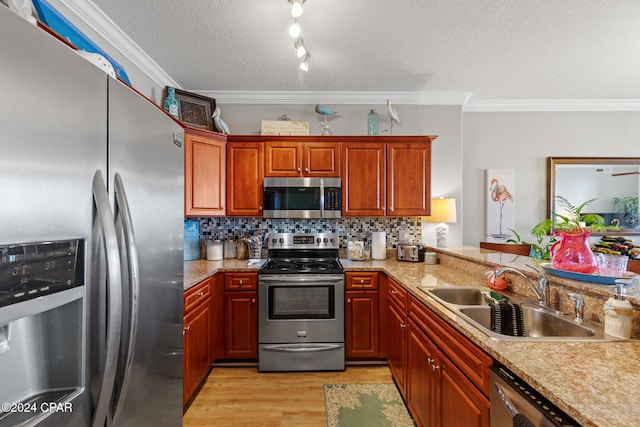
196,336
241,316
362,315
205,173
302,159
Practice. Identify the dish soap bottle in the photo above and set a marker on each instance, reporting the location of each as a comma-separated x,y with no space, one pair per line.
171,103
617,316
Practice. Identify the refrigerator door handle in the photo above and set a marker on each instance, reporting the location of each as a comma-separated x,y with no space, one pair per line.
114,295
133,271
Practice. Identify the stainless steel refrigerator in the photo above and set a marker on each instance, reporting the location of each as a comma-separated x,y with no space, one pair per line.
88,164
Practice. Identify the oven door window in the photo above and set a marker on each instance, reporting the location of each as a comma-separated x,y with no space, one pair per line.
301,302
291,198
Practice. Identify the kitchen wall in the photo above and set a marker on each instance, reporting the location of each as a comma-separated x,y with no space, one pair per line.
523,141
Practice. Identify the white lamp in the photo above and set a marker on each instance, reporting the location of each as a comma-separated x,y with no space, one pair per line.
443,211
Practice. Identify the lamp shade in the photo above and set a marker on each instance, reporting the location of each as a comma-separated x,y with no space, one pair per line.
443,210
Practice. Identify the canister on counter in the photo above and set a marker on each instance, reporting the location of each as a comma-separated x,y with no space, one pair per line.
214,250
430,258
229,249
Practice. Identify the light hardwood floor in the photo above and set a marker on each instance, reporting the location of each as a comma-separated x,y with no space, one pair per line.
242,396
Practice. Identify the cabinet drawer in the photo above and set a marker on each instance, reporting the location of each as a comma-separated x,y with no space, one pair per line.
240,281
361,280
466,356
397,294
197,294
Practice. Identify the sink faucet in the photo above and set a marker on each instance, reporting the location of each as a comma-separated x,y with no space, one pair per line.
541,291
579,306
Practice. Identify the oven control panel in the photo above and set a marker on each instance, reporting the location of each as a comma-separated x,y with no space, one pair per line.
303,241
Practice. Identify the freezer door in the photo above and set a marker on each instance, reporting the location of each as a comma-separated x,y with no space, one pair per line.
146,184
53,134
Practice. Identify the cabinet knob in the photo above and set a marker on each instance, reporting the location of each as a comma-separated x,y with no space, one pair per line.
430,361
393,292
434,367
402,325
201,293
240,282
361,281
349,300
298,169
253,300
306,169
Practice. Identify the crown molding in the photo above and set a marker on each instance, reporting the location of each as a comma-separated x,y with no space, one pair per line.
89,13
542,105
341,97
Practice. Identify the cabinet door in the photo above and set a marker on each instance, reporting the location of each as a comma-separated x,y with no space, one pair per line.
283,159
409,179
362,320
363,179
421,377
245,173
197,347
241,325
205,176
396,345
321,159
462,404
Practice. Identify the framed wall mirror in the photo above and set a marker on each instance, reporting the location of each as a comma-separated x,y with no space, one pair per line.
614,183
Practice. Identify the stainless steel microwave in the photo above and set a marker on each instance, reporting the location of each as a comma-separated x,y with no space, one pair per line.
302,198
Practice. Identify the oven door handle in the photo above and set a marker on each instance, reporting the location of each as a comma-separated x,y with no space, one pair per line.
299,280
297,348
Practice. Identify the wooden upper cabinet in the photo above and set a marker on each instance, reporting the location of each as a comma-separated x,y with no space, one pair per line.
245,173
302,159
363,179
205,174
409,179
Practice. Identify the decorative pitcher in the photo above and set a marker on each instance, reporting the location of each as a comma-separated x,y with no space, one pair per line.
572,252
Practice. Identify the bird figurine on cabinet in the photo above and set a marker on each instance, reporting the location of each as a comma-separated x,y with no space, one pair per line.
393,117
219,123
325,111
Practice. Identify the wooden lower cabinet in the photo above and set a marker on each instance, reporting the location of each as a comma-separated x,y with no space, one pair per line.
196,337
397,334
362,323
445,373
241,316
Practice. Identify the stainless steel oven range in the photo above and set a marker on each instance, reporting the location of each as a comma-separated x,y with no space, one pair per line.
301,304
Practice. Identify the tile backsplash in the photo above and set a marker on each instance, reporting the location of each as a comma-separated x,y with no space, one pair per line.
233,228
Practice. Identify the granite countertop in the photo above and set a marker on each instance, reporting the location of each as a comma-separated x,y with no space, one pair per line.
596,383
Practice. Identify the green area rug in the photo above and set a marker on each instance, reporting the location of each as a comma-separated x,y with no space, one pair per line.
367,405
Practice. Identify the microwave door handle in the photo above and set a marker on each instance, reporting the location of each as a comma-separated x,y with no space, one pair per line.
322,198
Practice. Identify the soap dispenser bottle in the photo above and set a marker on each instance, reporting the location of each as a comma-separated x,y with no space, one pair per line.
617,315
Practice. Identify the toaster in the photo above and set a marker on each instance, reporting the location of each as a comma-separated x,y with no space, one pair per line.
412,252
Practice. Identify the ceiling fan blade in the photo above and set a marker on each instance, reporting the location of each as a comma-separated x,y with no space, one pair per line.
625,173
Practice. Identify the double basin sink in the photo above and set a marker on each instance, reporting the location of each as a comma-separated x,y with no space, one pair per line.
539,324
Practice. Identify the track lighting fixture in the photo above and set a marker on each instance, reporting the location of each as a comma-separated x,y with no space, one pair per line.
300,49
296,8
295,31
304,66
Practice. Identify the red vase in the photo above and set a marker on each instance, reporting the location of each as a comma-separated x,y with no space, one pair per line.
572,252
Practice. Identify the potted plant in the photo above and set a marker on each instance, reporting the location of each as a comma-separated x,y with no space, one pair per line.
627,205
572,251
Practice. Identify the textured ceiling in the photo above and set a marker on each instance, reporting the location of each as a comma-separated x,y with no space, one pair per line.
495,49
